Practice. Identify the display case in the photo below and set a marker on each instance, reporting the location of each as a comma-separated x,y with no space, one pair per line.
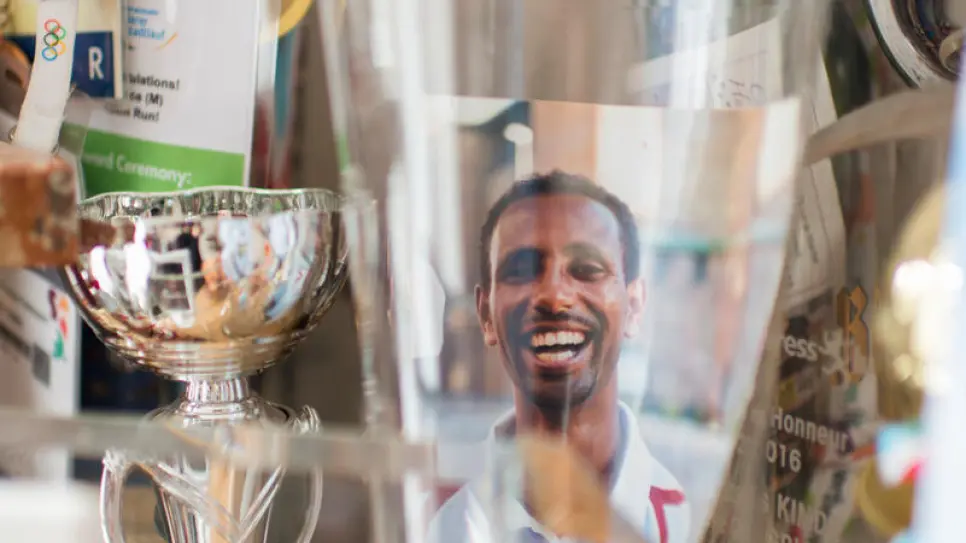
744,401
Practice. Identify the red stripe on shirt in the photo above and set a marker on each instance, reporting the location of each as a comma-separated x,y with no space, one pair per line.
661,498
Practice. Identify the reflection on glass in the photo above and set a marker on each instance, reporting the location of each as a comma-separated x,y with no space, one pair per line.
579,220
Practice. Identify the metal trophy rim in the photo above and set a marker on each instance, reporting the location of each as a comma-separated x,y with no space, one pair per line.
918,58
227,358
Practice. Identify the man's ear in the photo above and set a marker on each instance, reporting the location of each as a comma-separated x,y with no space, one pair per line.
483,313
635,307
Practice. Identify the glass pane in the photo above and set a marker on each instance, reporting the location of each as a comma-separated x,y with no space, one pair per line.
44,506
574,216
46,495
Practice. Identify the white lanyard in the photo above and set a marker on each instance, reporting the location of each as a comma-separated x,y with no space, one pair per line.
43,108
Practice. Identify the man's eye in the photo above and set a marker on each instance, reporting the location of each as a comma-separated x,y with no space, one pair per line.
587,271
521,268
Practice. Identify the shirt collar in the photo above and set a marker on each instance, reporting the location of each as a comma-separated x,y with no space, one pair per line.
629,487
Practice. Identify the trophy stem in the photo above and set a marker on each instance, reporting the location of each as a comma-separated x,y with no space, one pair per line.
231,390
214,399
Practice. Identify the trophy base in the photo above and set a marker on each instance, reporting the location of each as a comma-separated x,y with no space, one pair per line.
214,502
220,401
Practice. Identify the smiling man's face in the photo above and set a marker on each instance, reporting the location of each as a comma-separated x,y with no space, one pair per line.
558,304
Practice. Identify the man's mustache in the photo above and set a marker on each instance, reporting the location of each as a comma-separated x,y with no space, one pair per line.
546,316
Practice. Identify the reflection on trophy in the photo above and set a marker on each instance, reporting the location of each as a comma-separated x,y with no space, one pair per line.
908,330
209,287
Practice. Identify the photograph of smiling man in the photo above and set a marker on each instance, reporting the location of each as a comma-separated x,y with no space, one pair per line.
567,271
560,292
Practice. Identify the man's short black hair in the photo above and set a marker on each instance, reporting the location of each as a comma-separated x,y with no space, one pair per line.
556,183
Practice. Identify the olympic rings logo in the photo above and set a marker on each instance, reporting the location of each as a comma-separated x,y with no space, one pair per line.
53,40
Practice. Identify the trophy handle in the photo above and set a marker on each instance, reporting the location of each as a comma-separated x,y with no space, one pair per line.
306,421
312,513
913,114
116,469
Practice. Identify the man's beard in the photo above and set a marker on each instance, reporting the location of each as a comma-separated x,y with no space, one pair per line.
556,408
554,401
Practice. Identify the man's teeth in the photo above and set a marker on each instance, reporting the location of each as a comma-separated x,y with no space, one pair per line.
553,339
559,356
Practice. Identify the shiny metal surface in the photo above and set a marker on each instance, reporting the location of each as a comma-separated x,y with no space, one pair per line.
922,38
213,282
911,317
209,286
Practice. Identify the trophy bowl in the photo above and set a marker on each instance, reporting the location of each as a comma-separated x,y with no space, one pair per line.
210,282
208,287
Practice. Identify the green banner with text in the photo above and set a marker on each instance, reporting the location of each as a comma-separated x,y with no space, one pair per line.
115,163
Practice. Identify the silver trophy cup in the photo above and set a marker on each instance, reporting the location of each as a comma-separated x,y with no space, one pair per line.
209,287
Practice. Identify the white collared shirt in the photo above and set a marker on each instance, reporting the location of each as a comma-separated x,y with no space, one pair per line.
643,491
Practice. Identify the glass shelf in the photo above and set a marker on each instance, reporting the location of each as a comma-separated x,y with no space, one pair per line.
341,451
365,476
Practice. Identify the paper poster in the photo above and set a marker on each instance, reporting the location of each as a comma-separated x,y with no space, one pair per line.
816,262
97,53
39,339
187,119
